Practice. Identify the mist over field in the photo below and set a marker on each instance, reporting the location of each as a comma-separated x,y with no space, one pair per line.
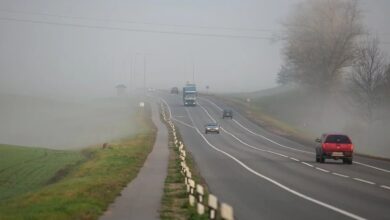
64,123
77,51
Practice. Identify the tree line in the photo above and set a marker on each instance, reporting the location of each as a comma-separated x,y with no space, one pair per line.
327,49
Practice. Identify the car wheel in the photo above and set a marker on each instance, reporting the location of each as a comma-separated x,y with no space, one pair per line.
322,159
205,132
317,159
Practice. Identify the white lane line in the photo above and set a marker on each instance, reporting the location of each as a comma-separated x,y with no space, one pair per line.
340,175
207,112
301,195
219,108
373,167
292,158
323,170
281,145
385,187
307,164
242,142
282,155
364,181
183,123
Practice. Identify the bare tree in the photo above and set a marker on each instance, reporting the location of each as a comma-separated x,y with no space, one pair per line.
369,76
320,39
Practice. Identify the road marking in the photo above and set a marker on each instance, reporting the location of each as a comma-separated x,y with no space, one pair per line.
301,195
341,175
323,170
282,155
364,181
373,167
385,187
281,145
188,125
207,112
292,158
307,164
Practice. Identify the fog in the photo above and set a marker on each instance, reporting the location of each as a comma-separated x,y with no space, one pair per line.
83,49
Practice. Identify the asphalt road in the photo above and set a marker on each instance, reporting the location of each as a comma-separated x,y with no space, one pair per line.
265,176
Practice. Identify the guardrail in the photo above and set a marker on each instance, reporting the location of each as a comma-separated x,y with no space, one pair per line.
196,192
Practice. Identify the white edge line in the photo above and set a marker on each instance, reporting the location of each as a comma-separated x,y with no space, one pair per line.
295,159
346,213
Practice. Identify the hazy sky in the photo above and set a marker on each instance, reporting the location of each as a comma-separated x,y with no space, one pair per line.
96,50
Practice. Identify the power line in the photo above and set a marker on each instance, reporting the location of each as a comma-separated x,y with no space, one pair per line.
142,23
135,29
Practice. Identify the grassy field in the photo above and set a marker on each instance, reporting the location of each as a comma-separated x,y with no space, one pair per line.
86,190
25,169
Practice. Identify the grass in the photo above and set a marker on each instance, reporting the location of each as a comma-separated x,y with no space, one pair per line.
87,189
25,169
175,204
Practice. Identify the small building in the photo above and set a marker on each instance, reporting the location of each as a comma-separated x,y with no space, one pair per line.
121,90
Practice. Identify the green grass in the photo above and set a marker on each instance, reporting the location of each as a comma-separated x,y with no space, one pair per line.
25,169
87,189
175,204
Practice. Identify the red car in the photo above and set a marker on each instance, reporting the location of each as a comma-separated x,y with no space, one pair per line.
334,146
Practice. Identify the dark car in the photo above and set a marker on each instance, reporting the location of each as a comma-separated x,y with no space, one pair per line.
174,90
334,146
227,113
212,128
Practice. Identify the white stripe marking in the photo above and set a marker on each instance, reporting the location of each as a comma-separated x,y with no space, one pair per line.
307,164
341,175
385,187
364,181
341,211
323,170
292,158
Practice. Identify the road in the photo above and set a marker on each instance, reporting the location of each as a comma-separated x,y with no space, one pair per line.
265,176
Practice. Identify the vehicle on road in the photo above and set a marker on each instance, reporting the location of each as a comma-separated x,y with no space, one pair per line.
189,95
227,113
212,128
174,90
334,146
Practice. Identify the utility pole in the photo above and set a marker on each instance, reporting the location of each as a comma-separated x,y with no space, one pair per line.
144,74
193,72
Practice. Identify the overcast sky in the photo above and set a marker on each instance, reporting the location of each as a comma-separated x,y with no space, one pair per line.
87,47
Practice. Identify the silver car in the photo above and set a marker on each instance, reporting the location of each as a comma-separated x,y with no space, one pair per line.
212,128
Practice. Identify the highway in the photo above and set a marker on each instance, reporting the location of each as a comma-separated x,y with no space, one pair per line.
265,176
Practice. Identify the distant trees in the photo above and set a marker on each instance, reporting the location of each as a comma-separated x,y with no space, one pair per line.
370,76
320,39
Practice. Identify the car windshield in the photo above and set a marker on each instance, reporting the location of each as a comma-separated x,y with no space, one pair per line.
212,125
339,139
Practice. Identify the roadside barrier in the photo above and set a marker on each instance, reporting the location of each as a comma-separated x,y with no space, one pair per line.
196,192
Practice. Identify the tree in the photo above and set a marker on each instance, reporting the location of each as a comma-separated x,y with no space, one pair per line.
370,76
320,38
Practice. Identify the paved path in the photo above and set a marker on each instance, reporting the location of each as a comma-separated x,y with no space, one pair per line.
141,198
